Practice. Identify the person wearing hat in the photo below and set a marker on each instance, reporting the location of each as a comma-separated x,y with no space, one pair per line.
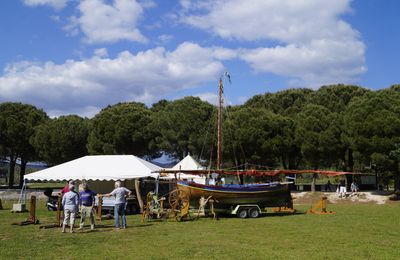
86,202
70,203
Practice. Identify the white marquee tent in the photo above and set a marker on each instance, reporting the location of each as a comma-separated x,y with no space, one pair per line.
188,163
97,167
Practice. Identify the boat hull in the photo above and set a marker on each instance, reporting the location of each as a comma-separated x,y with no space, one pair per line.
264,195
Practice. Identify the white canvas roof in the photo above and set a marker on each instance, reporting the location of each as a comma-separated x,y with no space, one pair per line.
187,163
97,167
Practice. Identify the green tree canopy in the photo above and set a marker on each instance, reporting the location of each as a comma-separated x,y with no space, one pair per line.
61,139
182,126
264,137
120,129
318,135
373,124
17,123
287,102
337,97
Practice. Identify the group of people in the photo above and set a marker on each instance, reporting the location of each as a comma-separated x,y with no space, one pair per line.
342,189
84,202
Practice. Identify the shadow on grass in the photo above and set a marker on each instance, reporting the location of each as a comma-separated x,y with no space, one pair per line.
86,231
277,214
265,215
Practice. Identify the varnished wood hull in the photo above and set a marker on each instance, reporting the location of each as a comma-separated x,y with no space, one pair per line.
229,196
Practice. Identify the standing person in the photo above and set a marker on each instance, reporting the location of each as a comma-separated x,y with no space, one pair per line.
86,203
342,188
354,188
66,188
328,186
70,203
120,193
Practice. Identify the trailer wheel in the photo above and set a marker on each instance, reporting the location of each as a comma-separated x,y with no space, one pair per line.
242,213
254,213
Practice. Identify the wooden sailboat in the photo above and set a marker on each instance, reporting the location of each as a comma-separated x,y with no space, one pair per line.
273,194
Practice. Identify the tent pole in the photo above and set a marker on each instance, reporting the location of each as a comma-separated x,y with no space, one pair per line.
157,186
138,195
58,215
22,195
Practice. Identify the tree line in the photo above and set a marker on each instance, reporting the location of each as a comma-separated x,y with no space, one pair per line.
340,127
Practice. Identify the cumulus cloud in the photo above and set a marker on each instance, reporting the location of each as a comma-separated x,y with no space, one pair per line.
56,4
104,22
85,86
165,38
102,53
209,97
313,45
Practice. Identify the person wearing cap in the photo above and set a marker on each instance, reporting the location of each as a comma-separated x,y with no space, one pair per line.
70,203
86,203
120,193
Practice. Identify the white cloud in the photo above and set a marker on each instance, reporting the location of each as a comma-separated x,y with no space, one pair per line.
165,38
224,53
185,4
147,3
313,45
102,53
318,63
87,85
56,4
102,22
209,97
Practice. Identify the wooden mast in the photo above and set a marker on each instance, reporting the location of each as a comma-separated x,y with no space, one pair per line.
219,144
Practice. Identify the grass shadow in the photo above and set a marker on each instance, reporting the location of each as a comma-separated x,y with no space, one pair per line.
283,214
141,225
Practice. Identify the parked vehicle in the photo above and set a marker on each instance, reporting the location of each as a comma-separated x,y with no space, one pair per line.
51,200
132,205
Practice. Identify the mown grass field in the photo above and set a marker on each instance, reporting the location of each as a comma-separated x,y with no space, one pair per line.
356,231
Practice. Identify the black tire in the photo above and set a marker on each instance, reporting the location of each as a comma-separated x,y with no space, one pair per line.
254,213
242,213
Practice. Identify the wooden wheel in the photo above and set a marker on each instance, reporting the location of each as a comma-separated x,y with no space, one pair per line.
179,201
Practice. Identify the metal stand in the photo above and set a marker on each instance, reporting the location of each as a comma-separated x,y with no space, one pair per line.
21,205
320,207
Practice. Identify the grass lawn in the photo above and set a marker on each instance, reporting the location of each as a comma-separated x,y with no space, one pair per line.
361,231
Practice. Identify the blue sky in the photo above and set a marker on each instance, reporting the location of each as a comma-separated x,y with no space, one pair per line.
76,57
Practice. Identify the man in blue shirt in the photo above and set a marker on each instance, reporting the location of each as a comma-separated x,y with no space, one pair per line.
86,202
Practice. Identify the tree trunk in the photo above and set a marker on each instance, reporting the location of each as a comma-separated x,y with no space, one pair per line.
22,173
350,160
138,195
12,171
283,162
314,179
396,177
